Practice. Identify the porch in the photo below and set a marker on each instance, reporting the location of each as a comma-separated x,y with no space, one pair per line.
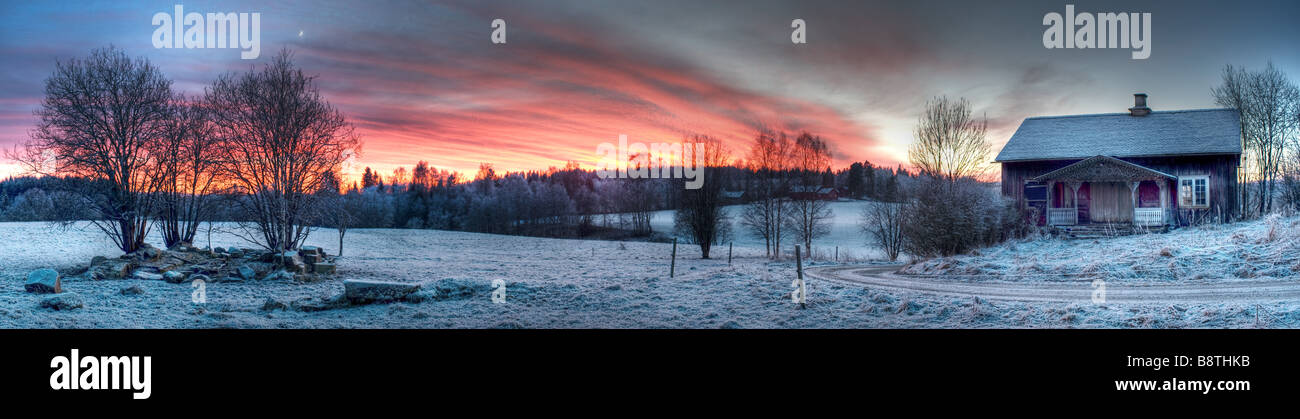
1110,193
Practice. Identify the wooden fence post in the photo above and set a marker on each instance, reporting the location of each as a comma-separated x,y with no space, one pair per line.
729,246
672,267
798,268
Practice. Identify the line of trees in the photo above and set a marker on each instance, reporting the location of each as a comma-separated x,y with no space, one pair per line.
133,154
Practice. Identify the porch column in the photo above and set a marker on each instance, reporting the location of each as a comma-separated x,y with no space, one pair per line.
1164,200
1133,193
1074,188
1051,193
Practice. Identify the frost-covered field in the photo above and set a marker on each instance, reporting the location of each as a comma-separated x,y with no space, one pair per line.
1257,250
844,232
552,283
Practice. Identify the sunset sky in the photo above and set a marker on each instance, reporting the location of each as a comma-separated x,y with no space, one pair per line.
422,81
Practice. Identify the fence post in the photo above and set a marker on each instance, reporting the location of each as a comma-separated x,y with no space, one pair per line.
798,268
837,253
729,246
672,267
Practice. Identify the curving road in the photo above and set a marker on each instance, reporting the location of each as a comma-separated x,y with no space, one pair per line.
1071,291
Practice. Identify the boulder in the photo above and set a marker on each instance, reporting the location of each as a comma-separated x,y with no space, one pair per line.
131,290
312,258
146,275
247,272
312,250
113,269
362,291
309,304
323,268
43,281
279,275
62,301
270,304
200,277
95,261
236,253
173,277
219,250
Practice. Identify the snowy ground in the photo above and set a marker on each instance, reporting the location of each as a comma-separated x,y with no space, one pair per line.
845,233
553,283
1263,250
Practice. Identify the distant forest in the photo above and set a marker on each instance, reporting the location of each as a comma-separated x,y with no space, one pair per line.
558,202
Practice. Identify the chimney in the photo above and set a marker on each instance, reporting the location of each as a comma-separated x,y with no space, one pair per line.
1139,105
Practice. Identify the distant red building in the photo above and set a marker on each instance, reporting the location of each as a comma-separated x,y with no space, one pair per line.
804,193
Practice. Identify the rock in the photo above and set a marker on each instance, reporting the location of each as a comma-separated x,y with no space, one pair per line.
200,277
310,304
131,290
173,277
236,253
146,275
360,290
312,250
420,296
62,301
279,275
312,258
43,281
452,288
95,261
270,304
323,268
247,272
118,269
219,250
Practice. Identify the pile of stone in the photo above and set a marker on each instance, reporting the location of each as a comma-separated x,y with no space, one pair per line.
185,263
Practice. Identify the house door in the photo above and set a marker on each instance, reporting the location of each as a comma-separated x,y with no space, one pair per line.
1085,200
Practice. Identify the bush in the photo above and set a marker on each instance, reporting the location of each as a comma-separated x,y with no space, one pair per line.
943,218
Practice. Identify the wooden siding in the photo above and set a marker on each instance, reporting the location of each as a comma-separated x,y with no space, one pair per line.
1222,170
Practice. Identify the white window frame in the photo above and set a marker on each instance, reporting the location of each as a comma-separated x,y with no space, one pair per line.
1187,198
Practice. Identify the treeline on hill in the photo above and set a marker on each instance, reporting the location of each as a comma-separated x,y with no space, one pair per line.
557,202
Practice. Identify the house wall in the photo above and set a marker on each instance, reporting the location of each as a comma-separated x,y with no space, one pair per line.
1222,170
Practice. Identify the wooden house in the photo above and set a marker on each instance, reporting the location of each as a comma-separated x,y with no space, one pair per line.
1140,168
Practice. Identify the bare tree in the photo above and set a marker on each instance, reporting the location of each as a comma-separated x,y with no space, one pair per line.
187,169
767,213
101,120
1232,94
810,216
278,136
883,222
950,144
1268,101
702,216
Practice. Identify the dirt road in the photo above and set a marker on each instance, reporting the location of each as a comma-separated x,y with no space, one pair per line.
1072,291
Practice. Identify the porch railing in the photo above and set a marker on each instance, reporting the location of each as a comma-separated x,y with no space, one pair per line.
1149,217
1062,216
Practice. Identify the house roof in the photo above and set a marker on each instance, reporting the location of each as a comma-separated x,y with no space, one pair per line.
1189,132
1103,168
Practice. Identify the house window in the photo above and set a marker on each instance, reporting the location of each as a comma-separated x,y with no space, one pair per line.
1194,191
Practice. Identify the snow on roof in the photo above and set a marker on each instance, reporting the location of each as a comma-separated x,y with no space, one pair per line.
1188,132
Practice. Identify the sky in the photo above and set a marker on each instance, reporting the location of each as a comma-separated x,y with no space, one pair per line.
423,80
